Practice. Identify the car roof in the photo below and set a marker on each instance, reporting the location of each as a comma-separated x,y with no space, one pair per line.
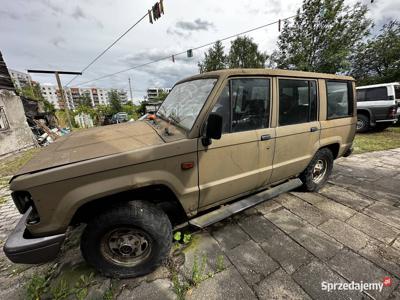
378,85
266,72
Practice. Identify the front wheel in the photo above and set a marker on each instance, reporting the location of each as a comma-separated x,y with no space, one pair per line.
318,171
128,240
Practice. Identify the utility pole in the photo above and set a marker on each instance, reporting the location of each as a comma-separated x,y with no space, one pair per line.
130,89
63,98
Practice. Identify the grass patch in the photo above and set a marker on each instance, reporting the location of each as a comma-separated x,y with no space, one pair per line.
10,165
377,141
3,200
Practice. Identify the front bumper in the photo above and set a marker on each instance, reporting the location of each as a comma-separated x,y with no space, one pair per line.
21,249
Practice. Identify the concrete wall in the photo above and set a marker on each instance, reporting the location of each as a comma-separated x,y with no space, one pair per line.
19,135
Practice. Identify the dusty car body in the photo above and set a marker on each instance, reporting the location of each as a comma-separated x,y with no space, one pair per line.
183,166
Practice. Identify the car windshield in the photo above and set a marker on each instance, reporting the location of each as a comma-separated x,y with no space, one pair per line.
185,101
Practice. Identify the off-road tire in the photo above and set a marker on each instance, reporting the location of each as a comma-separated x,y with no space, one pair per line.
139,215
362,123
307,178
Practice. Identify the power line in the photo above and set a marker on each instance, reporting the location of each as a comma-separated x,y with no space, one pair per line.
108,48
184,52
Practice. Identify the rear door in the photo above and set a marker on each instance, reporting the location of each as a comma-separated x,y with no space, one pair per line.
298,129
230,167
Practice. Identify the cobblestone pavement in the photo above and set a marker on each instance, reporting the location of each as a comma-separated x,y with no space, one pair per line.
282,249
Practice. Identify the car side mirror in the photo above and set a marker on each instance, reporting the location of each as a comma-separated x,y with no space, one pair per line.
213,129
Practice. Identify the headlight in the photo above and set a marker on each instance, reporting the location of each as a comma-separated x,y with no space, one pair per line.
22,200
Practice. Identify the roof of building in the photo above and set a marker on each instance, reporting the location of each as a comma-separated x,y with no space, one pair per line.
5,79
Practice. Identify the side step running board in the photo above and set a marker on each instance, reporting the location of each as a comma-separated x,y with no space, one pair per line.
231,209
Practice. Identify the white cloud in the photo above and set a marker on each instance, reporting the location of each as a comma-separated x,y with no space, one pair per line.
67,35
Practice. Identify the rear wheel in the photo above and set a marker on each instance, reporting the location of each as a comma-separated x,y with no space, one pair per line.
318,171
362,123
128,240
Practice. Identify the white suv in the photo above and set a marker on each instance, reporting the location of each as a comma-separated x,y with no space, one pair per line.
377,106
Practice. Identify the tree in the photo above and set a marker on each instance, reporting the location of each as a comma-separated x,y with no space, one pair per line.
84,100
115,101
32,91
161,96
141,109
322,37
378,59
244,54
214,59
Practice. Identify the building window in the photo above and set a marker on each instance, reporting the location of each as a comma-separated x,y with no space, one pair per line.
3,119
339,94
297,101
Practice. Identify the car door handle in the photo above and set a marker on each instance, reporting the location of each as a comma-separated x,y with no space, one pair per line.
266,137
313,129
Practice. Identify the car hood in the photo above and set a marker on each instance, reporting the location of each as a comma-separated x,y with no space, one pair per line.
92,143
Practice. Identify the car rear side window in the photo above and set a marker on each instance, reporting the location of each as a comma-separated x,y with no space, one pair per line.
397,92
376,94
244,104
339,95
297,101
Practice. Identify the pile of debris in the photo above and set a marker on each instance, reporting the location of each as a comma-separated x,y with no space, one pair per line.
43,125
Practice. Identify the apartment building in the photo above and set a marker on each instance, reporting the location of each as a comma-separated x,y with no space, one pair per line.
153,93
19,79
98,96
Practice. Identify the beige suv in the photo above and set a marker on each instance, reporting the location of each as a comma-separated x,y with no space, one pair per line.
225,140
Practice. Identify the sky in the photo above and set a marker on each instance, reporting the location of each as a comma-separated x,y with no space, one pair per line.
67,35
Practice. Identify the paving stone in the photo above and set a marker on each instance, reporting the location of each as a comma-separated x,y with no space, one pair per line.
346,197
389,185
224,285
335,210
373,228
252,262
229,235
303,209
385,213
396,244
258,227
353,267
386,257
268,206
280,285
312,198
395,294
285,220
286,252
317,242
344,233
158,289
374,192
203,250
310,277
